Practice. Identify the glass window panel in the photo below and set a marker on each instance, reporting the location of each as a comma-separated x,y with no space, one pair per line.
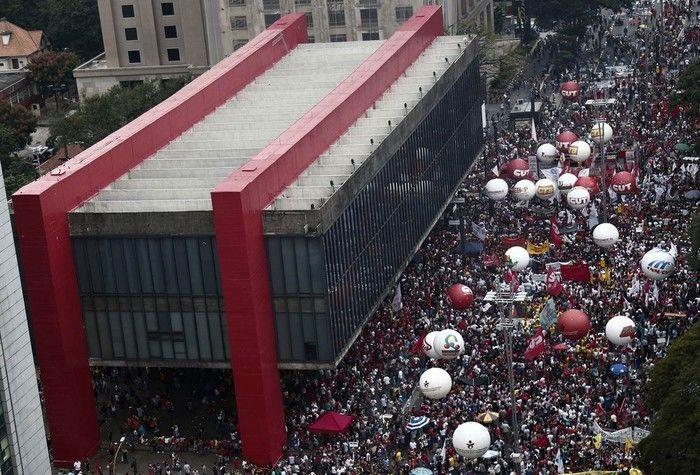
296,332
132,266
116,331
130,348
156,261
167,345
207,253
82,265
179,349
195,267
93,339
170,277
154,348
141,338
217,342
182,268
284,348
203,335
93,255
190,335
176,322
289,266
303,270
105,337
119,266
144,264
106,263
274,257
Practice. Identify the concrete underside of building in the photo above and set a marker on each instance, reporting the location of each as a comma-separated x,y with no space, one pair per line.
254,220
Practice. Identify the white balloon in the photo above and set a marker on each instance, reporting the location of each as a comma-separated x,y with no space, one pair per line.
428,347
545,188
449,344
620,330
517,258
435,383
471,440
496,189
601,132
566,182
584,172
578,198
605,235
524,190
579,151
657,264
547,153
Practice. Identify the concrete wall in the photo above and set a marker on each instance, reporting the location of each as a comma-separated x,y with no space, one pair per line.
19,389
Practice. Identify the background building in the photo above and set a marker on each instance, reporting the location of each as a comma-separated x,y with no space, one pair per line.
17,45
252,221
23,448
160,39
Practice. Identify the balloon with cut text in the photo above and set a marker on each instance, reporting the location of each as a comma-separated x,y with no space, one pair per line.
496,189
578,198
564,139
460,296
623,183
435,383
570,90
573,324
516,169
620,330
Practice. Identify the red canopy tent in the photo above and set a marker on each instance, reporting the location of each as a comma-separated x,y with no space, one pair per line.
331,423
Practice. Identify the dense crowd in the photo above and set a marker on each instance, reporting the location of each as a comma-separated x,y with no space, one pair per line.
562,393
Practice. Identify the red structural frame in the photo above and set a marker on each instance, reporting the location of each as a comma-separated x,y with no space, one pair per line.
238,202
41,217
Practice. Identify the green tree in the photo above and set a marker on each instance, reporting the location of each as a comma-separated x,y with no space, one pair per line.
673,395
71,24
98,116
689,89
52,67
694,257
19,124
17,173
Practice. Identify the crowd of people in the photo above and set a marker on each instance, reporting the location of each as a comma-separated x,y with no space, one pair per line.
563,393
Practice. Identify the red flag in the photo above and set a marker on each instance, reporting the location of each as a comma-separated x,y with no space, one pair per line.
510,241
541,442
554,286
536,346
578,272
511,278
417,347
490,260
554,235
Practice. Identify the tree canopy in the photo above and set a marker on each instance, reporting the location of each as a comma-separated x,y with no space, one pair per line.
52,67
71,24
16,127
673,395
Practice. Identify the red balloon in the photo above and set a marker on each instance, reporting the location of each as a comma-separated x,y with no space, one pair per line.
460,296
570,90
517,169
573,324
623,183
589,183
564,139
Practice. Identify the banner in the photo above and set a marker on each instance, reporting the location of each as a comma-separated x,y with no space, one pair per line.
536,346
553,281
537,249
548,314
490,260
635,434
577,272
554,235
510,241
397,302
479,232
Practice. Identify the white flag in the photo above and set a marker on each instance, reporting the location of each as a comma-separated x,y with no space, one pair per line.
479,232
559,462
593,217
673,251
495,171
534,132
397,304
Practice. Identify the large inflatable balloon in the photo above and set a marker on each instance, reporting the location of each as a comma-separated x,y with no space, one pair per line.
428,348
620,330
573,324
564,139
448,344
657,264
570,90
471,440
547,153
605,235
623,183
524,190
460,296
545,188
578,198
496,189
579,151
517,258
516,169
601,132
589,183
435,383
566,182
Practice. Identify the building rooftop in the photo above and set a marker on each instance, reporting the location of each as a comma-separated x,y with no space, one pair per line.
18,42
8,79
181,176
314,187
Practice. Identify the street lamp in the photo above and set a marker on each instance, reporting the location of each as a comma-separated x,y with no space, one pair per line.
601,133
504,298
114,462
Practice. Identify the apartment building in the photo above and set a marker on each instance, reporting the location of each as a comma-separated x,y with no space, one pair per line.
153,39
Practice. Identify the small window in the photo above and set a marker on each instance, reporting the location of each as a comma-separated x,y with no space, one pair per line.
338,38
167,8
239,23
135,56
238,44
367,36
309,20
128,11
173,54
236,3
403,13
312,39
270,18
336,17
302,2
170,31
131,34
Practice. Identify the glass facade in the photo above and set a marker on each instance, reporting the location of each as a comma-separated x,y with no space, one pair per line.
298,278
377,232
5,453
151,298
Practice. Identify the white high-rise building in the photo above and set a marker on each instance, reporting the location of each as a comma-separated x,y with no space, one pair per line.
23,448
